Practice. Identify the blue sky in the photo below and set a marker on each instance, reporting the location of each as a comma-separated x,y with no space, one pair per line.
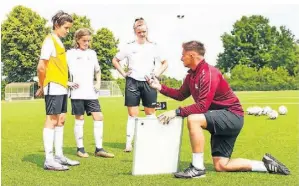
203,22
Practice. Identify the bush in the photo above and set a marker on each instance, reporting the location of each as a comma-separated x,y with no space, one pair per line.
245,78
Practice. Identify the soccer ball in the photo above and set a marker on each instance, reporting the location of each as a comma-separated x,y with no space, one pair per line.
249,110
282,110
258,111
273,114
266,110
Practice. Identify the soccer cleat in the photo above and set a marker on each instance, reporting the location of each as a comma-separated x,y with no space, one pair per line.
102,153
81,153
54,165
191,172
128,149
65,161
274,166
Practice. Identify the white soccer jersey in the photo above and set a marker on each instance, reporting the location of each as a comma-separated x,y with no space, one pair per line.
82,67
48,50
141,58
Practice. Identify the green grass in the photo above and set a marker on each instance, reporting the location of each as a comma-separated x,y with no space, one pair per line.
23,156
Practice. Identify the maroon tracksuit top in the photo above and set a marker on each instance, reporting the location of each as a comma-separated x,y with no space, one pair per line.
209,90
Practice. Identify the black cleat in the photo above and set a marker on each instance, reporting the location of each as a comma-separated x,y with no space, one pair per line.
191,172
274,166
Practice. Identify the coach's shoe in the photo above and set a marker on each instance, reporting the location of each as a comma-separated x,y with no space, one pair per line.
274,166
191,172
81,153
65,161
54,165
102,153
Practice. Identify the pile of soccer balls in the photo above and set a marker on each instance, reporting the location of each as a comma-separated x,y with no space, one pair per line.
268,111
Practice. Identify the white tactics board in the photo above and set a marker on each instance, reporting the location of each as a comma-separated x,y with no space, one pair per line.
157,146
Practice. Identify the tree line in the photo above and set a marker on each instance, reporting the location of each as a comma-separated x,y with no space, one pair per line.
257,55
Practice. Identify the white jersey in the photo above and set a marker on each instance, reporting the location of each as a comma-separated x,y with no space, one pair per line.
48,50
82,67
141,58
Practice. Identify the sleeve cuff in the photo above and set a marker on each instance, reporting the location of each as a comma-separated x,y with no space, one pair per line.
163,89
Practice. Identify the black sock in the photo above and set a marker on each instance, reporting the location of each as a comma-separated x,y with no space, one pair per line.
81,149
99,149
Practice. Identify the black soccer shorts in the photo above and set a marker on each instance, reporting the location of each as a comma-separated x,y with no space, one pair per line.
224,127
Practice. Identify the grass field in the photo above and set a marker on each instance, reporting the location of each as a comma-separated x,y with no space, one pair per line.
23,156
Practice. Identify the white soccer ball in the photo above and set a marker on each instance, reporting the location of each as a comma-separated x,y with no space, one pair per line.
273,114
266,110
282,110
257,111
249,110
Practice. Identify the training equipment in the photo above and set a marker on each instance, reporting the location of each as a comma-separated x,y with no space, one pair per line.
109,88
282,110
157,146
266,110
258,111
161,105
273,114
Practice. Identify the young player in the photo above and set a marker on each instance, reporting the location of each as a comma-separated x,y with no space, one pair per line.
53,77
142,56
83,66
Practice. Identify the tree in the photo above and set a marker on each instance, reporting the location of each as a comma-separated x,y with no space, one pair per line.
170,82
22,35
79,22
105,45
254,43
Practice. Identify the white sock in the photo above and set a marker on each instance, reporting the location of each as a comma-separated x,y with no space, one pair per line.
151,116
130,131
258,166
197,160
78,130
48,137
98,133
58,140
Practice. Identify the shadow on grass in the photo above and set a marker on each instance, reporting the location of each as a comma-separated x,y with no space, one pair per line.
70,150
37,159
115,145
182,165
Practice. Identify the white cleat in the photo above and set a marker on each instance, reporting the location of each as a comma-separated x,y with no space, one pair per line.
128,149
54,165
65,161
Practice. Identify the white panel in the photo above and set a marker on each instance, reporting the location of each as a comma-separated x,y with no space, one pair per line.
157,146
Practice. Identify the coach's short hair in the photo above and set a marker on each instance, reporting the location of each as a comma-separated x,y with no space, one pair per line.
195,46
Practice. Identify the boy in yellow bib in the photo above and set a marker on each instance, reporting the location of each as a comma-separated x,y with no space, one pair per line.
53,77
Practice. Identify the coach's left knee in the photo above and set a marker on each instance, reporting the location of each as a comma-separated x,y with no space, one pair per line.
221,166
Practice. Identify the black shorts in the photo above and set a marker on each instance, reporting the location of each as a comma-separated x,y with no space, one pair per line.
139,89
56,104
79,106
224,127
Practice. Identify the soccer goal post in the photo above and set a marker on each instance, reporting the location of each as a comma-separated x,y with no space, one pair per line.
110,88
19,91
